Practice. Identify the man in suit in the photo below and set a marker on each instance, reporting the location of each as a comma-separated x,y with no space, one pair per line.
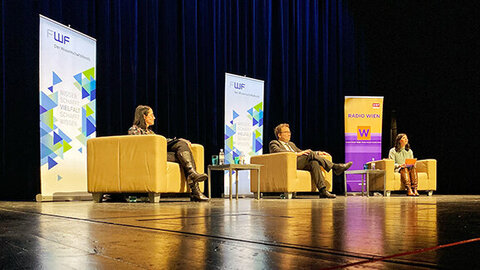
307,159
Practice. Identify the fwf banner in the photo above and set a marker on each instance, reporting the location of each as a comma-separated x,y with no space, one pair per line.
363,134
67,107
243,124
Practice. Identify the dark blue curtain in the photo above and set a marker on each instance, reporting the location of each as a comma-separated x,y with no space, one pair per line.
173,55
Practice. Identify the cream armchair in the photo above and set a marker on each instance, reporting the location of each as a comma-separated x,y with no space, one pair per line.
136,164
279,174
427,177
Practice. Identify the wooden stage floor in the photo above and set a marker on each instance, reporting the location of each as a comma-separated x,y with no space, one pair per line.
305,233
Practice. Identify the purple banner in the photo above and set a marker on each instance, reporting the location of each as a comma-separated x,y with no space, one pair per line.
360,152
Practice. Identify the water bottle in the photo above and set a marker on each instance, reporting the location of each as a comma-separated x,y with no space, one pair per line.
373,164
221,157
241,159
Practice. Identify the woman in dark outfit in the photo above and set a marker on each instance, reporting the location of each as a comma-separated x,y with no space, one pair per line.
178,150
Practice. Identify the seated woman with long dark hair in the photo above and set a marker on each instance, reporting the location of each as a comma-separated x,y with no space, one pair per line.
399,154
178,150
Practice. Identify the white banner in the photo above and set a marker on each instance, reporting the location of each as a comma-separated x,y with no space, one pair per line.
67,72
243,124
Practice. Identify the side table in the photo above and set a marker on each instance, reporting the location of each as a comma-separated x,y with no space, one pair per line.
365,179
236,168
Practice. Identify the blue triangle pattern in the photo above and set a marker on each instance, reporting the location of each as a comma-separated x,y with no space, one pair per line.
93,95
235,114
90,128
56,138
64,136
255,122
250,111
78,78
51,163
229,131
45,151
258,146
42,110
59,178
80,150
56,78
50,88
46,102
84,93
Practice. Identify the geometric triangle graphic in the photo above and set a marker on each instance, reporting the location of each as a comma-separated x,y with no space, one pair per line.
258,145
46,102
89,73
89,111
66,147
250,111
56,79
51,163
64,136
59,178
42,110
93,94
235,115
90,128
80,150
50,88
255,121
84,93
56,138
259,106
78,78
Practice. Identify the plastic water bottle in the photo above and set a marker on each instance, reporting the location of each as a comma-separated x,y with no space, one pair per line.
373,164
221,157
241,159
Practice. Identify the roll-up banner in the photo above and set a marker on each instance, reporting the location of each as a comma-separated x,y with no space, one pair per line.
243,124
363,135
67,72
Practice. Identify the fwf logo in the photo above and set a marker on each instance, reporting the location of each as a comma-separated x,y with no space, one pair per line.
58,37
363,133
237,85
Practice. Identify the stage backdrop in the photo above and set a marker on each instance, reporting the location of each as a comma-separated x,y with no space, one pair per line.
243,124
67,107
363,134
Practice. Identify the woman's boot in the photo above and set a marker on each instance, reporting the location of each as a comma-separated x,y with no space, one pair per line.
405,177
414,180
195,194
188,164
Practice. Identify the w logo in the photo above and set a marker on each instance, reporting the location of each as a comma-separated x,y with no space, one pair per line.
363,133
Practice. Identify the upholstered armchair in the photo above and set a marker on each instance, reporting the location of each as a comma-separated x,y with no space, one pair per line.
136,164
279,174
427,177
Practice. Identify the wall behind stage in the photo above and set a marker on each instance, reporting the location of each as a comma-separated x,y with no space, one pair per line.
173,55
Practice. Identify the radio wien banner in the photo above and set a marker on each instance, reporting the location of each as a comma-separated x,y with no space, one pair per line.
243,124
363,134
67,107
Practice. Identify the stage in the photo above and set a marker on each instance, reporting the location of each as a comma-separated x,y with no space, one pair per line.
397,232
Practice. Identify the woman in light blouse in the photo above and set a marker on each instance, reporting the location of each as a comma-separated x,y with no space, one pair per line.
399,154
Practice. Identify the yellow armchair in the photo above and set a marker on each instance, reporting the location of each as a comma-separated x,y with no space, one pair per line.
279,174
427,177
136,164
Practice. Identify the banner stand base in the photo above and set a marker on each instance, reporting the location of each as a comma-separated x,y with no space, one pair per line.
64,196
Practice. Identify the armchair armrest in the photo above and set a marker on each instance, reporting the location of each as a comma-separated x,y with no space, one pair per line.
429,166
126,163
277,169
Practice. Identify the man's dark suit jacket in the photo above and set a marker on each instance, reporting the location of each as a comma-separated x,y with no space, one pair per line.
276,146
